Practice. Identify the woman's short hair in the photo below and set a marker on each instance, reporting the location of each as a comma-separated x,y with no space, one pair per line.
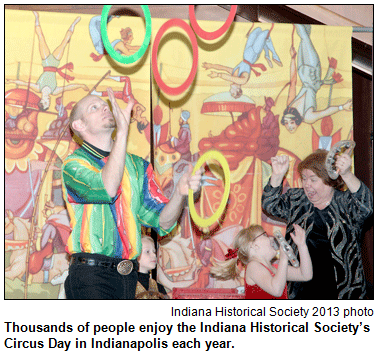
315,162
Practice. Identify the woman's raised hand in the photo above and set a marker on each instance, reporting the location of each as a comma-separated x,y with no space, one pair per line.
343,163
280,165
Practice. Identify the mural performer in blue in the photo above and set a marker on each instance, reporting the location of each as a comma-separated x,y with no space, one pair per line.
258,40
302,107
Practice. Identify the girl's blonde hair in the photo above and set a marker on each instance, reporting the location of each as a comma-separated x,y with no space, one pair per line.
149,238
225,270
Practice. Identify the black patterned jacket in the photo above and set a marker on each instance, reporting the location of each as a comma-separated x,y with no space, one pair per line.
347,211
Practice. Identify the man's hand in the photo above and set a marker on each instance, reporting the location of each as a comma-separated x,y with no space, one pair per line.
112,172
122,117
189,181
173,209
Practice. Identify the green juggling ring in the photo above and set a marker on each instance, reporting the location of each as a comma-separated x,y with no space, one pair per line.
105,39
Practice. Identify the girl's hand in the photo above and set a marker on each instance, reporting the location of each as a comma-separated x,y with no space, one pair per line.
299,235
283,255
343,163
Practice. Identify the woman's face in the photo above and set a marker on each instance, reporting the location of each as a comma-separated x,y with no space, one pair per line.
316,191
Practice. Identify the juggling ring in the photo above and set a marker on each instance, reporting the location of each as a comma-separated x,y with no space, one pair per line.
111,51
164,87
211,35
198,220
330,159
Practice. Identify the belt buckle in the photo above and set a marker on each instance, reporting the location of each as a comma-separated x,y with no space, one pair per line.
125,267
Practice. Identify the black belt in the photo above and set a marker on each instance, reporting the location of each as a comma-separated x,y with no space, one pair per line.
123,267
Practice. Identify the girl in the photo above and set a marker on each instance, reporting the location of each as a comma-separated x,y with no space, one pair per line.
148,288
264,280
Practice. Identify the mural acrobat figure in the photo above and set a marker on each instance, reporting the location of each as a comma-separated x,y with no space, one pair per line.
125,95
258,40
122,46
182,143
47,84
51,253
302,107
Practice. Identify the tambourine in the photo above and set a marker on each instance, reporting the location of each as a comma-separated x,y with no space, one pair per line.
286,248
345,146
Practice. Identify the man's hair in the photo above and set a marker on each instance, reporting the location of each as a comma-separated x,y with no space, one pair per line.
75,115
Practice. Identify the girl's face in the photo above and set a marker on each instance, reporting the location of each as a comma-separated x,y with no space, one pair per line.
147,260
264,245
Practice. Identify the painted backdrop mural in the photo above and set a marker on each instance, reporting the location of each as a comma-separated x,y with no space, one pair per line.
260,90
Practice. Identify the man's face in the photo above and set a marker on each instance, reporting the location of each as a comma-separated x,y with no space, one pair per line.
290,124
96,115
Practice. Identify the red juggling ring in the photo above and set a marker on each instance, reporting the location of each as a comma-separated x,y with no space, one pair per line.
164,87
211,35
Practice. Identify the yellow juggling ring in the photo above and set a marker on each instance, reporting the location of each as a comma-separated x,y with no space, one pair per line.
199,221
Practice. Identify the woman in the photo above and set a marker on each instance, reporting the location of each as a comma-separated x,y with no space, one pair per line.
332,218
